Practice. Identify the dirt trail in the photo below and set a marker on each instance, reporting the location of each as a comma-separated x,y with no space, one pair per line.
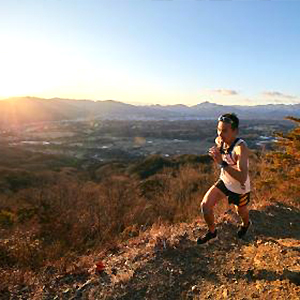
165,262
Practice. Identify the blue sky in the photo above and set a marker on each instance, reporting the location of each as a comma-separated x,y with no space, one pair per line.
156,51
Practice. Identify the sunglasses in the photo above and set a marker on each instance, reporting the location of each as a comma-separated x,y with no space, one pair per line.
225,119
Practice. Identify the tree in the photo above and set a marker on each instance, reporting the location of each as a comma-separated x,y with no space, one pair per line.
287,156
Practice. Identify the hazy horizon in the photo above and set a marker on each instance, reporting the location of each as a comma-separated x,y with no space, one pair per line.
152,52
142,104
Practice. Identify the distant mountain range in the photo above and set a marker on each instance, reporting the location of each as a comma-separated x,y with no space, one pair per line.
29,109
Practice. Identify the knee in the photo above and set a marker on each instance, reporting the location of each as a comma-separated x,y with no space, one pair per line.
205,208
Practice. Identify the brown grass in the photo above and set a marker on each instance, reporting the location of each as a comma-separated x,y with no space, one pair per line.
67,217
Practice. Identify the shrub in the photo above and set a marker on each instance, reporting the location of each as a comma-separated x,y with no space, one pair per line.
6,218
280,168
150,166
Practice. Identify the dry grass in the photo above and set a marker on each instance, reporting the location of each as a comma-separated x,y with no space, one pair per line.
52,225
44,224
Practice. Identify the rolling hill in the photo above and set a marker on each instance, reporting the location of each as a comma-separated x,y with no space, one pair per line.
24,110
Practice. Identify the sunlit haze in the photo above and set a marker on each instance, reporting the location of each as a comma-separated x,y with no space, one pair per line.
152,52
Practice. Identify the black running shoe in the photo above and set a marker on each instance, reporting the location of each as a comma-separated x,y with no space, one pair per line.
243,230
207,237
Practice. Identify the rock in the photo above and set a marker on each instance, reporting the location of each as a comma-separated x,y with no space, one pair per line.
250,274
5,293
85,285
25,289
66,291
293,276
194,289
50,270
114,271
284,251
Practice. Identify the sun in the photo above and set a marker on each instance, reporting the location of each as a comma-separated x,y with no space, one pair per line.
31,67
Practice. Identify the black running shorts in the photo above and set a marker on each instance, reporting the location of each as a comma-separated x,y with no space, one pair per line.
234,198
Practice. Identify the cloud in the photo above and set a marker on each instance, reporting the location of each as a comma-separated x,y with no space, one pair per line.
277,95
225,92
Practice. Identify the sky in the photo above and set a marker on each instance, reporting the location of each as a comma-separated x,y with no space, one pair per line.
242,52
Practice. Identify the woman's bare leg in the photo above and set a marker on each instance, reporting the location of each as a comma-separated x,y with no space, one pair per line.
244,214
212,196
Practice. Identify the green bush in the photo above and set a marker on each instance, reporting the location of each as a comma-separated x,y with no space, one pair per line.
150,166
6,218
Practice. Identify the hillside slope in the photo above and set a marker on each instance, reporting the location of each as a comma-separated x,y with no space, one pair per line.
123,238
164,262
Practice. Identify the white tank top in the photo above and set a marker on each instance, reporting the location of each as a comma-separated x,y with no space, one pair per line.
232,184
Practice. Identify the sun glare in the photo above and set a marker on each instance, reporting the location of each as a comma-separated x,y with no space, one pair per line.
30,67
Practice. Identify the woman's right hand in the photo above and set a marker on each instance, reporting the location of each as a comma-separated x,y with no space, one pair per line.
215,153
218,141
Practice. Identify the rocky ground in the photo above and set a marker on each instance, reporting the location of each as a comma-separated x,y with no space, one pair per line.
164,262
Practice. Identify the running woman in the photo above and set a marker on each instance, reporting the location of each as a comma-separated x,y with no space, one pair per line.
232,155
